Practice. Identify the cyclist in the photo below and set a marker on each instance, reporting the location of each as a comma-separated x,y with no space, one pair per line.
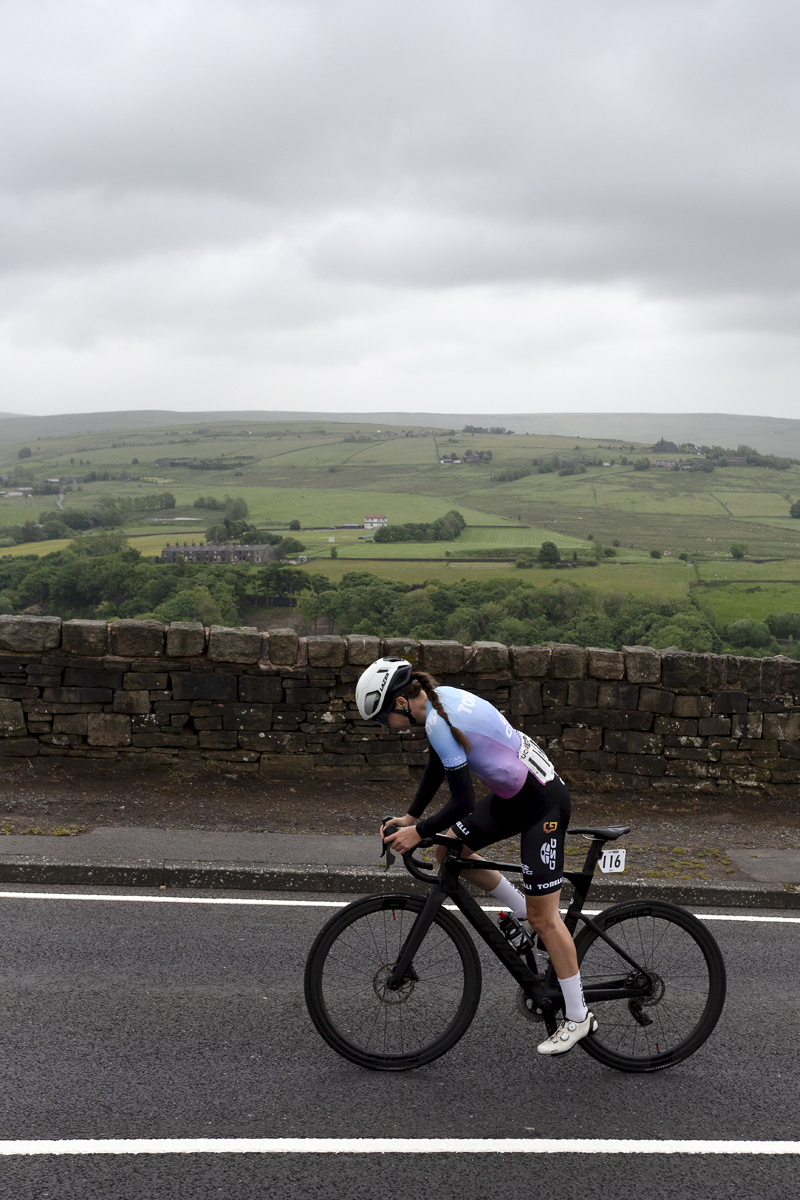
527,798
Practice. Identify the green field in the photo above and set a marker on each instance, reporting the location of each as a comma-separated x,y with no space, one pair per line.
317,473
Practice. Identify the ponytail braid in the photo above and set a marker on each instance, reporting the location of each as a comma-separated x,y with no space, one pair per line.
421,681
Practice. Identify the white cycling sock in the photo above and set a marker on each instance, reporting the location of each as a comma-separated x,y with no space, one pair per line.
508,895
574,1004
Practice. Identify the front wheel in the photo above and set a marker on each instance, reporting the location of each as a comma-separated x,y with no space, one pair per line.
686,990
346,978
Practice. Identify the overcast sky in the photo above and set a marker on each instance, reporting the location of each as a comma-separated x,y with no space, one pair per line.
458,205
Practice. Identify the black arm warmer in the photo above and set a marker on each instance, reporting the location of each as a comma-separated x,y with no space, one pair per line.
432,779
460,802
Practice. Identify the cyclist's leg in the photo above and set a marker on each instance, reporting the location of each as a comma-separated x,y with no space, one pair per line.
542,853
489,821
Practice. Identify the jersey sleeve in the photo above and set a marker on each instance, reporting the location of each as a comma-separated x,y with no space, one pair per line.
440,737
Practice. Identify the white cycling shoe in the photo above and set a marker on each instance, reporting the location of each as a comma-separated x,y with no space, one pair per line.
568,1034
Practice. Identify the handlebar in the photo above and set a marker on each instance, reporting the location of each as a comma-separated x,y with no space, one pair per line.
421,870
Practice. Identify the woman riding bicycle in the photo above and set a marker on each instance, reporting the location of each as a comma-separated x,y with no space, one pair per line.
527,798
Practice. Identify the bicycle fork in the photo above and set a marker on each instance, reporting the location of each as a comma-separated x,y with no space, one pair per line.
403,968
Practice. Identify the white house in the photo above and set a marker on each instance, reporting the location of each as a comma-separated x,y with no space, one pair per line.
375,522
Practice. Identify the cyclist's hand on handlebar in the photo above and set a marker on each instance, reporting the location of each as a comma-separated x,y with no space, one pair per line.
401,821
404,840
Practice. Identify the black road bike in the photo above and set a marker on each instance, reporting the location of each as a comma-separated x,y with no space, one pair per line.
393,981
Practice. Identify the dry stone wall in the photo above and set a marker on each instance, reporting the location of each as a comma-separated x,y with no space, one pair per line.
283,705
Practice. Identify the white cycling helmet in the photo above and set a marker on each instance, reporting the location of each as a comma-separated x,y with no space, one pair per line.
378,686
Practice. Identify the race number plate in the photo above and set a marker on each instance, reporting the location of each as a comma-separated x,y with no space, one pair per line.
612,860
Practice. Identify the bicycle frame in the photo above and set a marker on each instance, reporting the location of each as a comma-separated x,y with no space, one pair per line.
543,991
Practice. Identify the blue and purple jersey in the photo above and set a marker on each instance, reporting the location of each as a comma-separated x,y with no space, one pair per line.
494,756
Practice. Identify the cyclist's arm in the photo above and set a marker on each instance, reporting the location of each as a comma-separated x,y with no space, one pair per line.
432,779
460,802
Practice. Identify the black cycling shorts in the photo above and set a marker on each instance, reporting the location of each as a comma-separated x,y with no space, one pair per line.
540,814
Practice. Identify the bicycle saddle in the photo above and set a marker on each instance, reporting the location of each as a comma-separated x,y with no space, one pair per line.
608,833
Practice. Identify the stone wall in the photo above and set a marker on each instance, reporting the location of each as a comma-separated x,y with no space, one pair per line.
282,705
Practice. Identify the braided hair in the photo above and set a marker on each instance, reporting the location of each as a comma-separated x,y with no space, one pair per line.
422,682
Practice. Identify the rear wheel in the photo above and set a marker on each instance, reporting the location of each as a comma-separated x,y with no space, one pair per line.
346,979
686,993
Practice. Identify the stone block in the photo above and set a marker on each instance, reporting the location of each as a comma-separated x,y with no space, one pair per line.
274,743
642,664
568,662
248,717
85,639
283,645
75,724
747,725
606,719
618,695
78,695
260,689
92,679
692,706
629,741
554,693
186,639
582,739
687,770
789,749
108,729
234,645
782,726
137,639
729,702
681,670
655,700
19,747
176,739
12,719
206,723
710,726
525,699
131,702
530,661
362,650
290,721
29,635
221,739
204,685
606,664
583,694
400,648
596,760
326,650
441,658
790,676
15,691
140,681
676,726
641,764
761,747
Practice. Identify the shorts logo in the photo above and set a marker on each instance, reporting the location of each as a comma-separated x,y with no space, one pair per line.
460,828
550,826
548,854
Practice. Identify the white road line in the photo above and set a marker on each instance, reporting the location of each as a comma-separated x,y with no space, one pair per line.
590,912
392,1146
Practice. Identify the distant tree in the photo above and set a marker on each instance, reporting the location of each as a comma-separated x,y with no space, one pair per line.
784,624
794,511
334,552
616,542
25,452
294,524
642,464
549,555
655,554
524,562
134,462
290,545
738,550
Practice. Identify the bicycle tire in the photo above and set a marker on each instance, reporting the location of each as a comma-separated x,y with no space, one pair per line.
666,1027
358,1017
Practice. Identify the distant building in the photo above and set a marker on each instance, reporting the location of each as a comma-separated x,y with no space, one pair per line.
228,553
375,522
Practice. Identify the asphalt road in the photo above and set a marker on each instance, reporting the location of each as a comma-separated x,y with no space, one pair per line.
161,1020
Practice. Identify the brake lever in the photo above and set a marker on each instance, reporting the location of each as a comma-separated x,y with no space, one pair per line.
386,849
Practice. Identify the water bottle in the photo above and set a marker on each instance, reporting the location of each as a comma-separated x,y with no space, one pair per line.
514,933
